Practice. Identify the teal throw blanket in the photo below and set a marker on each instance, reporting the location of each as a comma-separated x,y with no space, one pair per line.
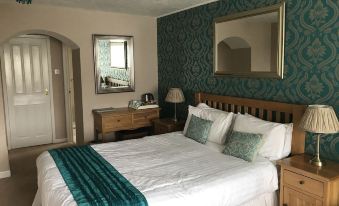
94,181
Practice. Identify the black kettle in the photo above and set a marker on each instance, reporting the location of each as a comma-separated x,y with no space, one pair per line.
147,98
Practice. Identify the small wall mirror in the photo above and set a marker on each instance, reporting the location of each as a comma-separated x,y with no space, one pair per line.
251,43
113,62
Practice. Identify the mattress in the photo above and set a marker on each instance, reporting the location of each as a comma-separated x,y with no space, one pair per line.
170,169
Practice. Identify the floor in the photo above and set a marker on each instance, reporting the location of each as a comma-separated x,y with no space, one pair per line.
20,188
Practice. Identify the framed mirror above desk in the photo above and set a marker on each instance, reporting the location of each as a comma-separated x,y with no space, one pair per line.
113,63
251,43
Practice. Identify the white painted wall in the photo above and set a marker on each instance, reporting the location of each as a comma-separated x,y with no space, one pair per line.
78,25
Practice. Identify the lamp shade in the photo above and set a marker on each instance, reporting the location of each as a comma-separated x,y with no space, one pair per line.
320,119
175,95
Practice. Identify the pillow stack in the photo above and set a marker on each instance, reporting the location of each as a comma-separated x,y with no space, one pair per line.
221,122
249,136
275,135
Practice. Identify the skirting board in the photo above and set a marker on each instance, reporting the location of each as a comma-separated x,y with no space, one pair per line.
55,141
5,174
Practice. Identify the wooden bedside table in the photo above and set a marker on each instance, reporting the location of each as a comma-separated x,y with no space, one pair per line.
304,184
167,125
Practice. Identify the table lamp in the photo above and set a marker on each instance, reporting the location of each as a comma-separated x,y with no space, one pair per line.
319,119
175,96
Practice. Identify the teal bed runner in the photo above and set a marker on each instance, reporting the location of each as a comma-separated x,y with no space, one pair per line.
94,181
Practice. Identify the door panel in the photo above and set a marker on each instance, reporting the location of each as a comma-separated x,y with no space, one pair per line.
27,85
294,198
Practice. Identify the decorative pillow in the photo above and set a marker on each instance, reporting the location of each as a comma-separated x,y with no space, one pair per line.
191,111
273,134
221,121
198,129
243,145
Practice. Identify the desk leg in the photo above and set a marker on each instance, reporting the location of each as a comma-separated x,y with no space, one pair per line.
96,134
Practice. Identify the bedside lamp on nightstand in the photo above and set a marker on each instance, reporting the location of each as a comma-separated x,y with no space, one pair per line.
175,95
319,119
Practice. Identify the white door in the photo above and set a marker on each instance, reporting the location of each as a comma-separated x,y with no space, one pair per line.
27,90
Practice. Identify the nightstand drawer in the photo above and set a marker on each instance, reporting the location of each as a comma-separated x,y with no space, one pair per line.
304,183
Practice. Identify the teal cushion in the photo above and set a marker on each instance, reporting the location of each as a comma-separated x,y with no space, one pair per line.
243,145
198,129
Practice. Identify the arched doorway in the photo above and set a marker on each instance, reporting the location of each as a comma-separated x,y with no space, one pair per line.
68,61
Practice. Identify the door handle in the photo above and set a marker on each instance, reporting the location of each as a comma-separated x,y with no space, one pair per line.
46,92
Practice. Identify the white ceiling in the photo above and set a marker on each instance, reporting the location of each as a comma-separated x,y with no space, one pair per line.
154,8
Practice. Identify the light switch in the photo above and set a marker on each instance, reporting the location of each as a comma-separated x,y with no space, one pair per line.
56,71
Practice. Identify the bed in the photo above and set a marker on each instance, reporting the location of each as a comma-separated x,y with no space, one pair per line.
171,169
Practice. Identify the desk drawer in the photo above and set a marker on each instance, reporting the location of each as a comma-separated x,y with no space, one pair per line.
304,183
118,122
145,118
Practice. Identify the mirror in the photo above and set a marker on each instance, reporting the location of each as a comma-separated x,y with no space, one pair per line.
113,63
251,43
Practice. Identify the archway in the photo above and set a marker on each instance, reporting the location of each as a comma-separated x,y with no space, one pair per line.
234,54
75,51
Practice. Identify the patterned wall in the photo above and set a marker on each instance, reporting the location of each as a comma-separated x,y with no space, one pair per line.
185,56
104,62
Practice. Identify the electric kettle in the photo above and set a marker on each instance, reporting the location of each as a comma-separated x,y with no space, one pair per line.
147,98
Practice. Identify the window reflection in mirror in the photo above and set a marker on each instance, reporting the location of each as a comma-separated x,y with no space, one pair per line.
113,63
250,43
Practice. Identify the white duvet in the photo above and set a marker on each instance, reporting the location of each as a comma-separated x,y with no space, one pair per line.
170,169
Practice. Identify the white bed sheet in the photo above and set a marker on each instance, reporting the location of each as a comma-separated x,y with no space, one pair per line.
170,169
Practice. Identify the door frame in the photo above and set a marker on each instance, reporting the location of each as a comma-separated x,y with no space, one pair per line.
67,67
4,88
5,97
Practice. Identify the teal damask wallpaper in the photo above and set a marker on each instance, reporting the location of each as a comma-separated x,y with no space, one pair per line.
185,58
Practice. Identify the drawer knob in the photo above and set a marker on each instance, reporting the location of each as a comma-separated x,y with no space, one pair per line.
118,120
301,182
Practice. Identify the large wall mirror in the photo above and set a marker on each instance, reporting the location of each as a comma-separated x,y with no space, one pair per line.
251,43
113,62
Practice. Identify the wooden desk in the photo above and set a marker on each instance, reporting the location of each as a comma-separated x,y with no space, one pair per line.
123,119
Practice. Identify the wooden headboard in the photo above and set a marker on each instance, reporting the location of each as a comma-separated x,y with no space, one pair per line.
267,110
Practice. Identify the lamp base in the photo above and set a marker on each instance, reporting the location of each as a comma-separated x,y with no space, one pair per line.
316,159
317,162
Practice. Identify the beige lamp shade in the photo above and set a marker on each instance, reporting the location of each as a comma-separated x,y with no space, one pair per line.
175,95
320,119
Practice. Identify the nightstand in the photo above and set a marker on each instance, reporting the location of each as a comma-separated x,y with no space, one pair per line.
304,184
167,125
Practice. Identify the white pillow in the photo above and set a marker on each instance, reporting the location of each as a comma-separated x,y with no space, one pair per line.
288,140
288,137
203,106
220,128
273,134
221,122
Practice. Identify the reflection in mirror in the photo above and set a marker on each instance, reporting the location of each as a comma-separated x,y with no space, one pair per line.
113,59
250,43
